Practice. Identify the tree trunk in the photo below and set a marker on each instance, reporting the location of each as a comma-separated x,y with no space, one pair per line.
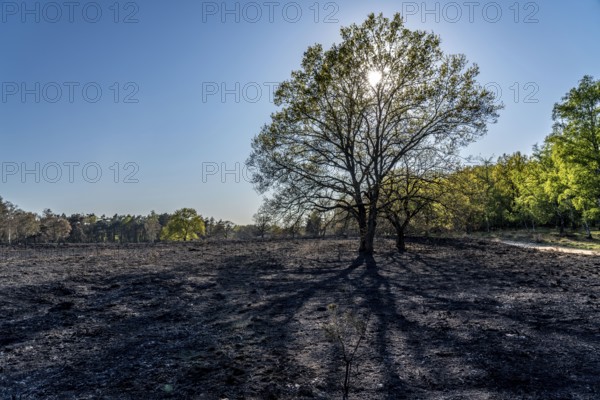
587,230
367,234
362,227
367,241
400,240
562,226
368,244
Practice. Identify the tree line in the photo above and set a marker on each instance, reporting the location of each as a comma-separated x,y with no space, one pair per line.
18,226
557,185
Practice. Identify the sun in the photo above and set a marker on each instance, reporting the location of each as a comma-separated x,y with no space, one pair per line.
374,77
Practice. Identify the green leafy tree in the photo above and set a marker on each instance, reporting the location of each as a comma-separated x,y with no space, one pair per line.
508,174
576,145
583,191
152,227
54,228
210,224
223,229
17,225
577,125
415,185
184,225
27,226
353,112
546,193
464,200
8,212
77,234
532,201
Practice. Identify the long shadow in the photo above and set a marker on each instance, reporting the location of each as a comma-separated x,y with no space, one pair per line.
512,366
278,295
382,305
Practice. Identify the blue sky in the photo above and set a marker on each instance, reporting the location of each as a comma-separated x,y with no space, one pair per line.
162,98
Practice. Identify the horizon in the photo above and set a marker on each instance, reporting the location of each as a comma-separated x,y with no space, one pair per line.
133,107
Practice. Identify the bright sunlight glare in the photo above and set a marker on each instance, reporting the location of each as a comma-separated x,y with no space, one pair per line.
374,77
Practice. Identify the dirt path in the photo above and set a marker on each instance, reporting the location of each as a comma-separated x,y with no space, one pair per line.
561,249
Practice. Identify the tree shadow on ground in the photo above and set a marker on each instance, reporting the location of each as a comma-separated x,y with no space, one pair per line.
474,330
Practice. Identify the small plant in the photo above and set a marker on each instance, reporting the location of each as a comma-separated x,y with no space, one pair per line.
346,330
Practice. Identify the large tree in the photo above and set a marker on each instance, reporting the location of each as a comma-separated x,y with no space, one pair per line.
352,113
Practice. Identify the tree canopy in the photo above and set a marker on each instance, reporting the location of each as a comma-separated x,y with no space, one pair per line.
184,225
350,116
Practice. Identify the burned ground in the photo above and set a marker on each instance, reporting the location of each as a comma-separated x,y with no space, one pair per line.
451,319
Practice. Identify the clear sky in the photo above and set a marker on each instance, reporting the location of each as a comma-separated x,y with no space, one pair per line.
162,98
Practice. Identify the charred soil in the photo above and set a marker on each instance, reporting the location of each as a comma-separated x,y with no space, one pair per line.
450,319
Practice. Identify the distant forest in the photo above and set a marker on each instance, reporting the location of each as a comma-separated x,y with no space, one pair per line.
512,192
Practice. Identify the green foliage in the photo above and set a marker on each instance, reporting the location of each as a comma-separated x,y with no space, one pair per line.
576,146
338,136
558,185
415,187
184,225
152,227
54,228
17,225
